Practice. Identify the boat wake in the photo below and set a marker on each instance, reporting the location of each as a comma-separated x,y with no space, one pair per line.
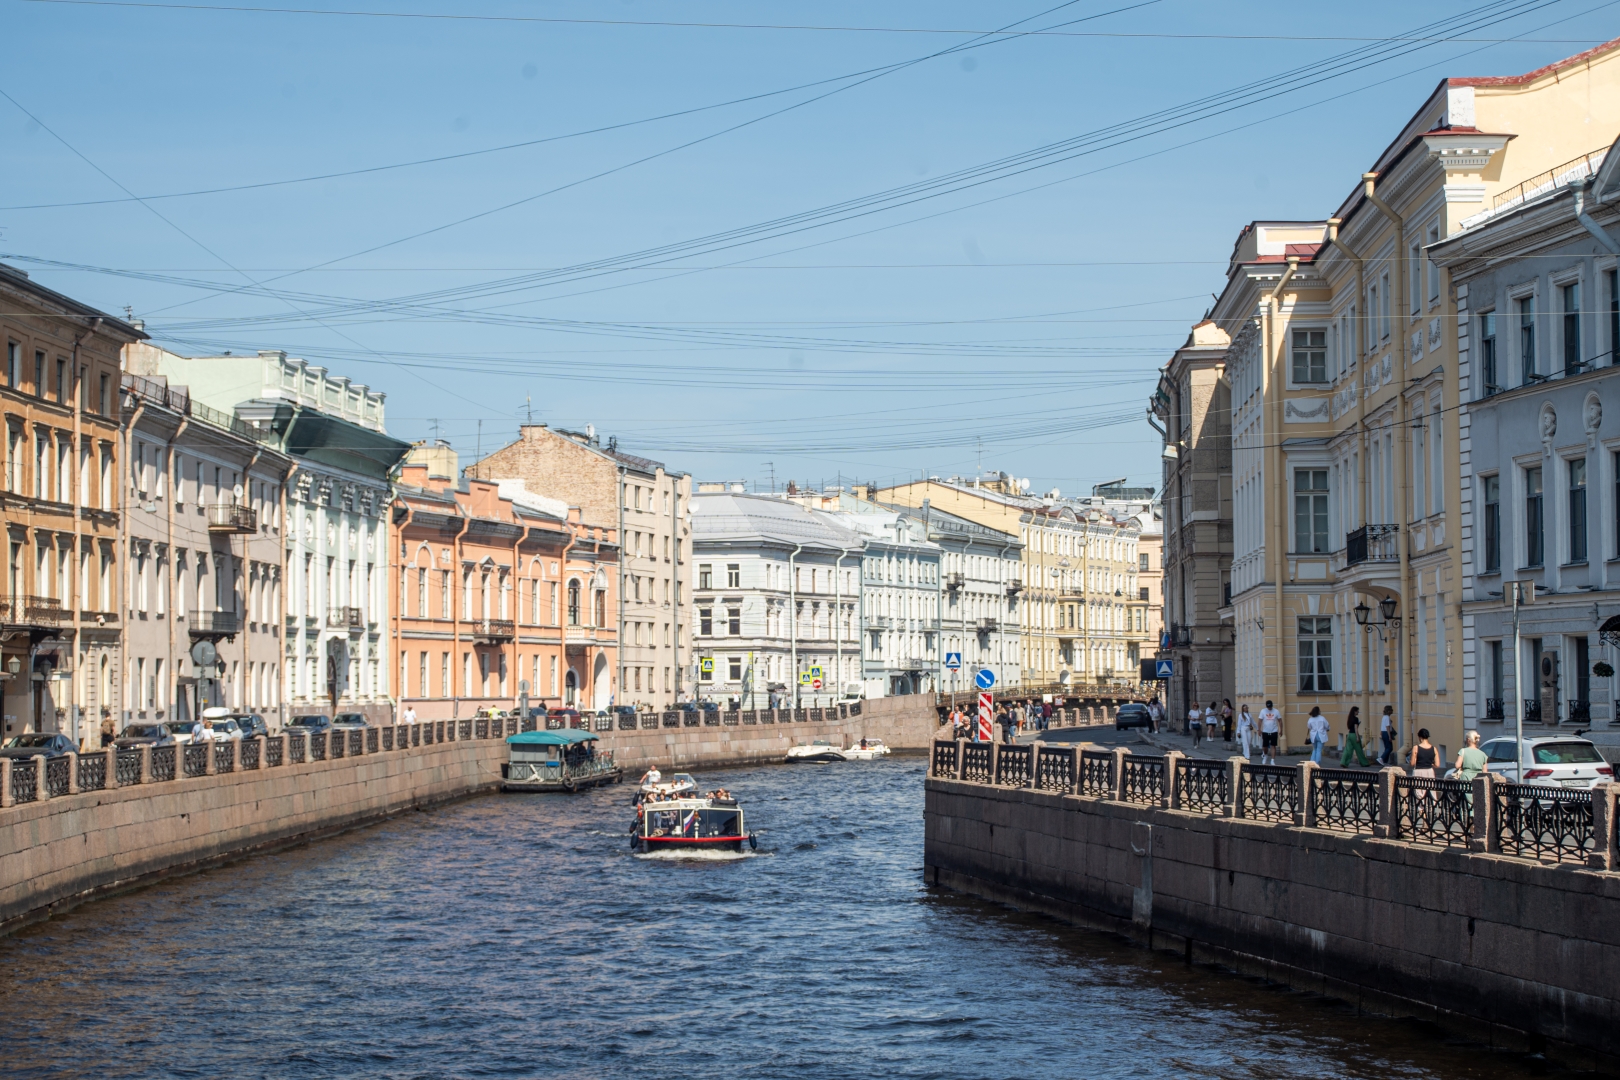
698,855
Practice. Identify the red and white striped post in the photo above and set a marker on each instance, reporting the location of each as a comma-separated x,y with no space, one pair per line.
987,731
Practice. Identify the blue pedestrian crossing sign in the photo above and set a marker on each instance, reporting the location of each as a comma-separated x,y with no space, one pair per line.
985,678
1164,669
953,660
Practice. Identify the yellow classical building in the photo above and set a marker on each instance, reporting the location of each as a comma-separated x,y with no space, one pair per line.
1346,564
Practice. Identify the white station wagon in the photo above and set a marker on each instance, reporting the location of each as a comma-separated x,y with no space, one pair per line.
1554,760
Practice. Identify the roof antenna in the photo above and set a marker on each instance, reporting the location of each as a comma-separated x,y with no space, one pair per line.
480,452
435,430
528,403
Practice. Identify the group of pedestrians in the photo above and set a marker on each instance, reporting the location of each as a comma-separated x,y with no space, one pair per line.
1010,720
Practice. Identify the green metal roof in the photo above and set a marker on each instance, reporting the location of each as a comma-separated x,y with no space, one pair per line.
563,737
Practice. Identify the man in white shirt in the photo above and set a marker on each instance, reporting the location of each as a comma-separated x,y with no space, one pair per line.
652,776
1386,734
410,715
1270,732
1195,724
1317,729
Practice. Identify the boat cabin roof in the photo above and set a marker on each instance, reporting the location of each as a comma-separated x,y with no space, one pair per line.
561,737
694,802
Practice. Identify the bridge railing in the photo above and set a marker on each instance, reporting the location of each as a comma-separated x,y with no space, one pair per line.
29,780
1486,815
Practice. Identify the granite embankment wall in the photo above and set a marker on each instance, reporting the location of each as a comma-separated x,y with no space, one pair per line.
60,849
1515,951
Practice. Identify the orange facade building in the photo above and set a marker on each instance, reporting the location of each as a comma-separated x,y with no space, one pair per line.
494,586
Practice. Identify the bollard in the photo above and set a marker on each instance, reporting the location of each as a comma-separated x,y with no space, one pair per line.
1120,754
1387,825
41,792
73,772
146,764
112,767
1035,765
995,763
1487,838
961,752
1603,810
1305,816
5,783
208,762
236,755
1172,794
1234,805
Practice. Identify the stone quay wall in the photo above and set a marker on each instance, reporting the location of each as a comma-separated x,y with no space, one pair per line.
1381,902
89,825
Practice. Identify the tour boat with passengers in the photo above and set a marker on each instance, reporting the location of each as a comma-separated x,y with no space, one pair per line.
563,760
711,822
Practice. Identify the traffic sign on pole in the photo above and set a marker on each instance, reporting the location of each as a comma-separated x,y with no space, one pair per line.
953,660
1164,669
987,731
985,678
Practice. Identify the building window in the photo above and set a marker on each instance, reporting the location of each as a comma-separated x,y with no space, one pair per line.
1583,670
39,374
706,621
734,668
1493,523
1527,339
1533,525
1487,354
1315,655
734,621
1577,510
1142,562
1614,316
1493,703
705,576
106,388
573,603
733,576
61,382
14,364
1310,511
1434,267
1571,296
1310,356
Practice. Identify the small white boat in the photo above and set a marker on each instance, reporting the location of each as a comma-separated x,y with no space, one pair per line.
677,786
866,750
819,751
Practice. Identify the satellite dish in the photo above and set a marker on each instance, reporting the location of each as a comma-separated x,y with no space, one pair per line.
204,653
237,491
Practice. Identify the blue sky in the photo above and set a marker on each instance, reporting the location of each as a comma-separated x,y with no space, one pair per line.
1023,332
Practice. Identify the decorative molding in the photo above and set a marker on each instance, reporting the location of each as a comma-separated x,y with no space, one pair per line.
1305,410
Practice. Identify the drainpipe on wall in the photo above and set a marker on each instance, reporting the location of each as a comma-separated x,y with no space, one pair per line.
121,556
623,560
398,646
1361,429
174,613
1404,465
455,615
1273,356
793,623
78,482
838,633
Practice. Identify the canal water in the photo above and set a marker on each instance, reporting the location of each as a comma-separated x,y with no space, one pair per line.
517,936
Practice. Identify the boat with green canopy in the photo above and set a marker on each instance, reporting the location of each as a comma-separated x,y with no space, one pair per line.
564,760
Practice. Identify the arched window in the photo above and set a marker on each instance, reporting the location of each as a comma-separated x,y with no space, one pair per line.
573,603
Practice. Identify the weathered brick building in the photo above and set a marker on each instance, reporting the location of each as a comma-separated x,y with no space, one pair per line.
646,507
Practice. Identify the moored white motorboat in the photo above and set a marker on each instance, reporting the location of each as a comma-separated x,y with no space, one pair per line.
866,750
819,751
677,786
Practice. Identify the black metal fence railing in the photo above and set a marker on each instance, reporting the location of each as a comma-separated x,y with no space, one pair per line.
92,772
1143,780
129,768
1432,811
1096,773
1344,799
317,746
1545,822
976,762
195,759
163,763
1055,769
336,745
297,749
388,738
250,754
1268,792
372,737
224,757
1013,765
58,777
357,742
1495,709
1203,784
943,759
24,780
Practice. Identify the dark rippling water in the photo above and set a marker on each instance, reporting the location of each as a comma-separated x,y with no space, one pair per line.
515,936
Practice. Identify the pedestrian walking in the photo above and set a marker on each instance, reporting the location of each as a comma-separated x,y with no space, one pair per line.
107,732
1227,718
1471,760
1155,714
1424,757
1247,734
1195,724
1386,735
1352,740
1316,728
1270,731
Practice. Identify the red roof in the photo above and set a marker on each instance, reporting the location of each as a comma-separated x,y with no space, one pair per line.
1514,80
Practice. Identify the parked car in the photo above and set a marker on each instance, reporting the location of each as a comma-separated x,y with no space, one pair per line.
350,721
226,726
310,724
1553,760
136,736
51,744
566,717
253,725
1132,714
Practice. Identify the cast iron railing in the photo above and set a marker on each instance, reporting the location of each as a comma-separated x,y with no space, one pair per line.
1096,773
1055,770
944,757
1203,784
1268,792
1344,799
317,746
1143,780
196,757
92,772
58,777
250,754
163,762
1012,765
1545,822
976,762
129,767
1431,811
24,780
224,759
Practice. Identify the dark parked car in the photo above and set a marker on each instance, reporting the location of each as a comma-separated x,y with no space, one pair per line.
253,724
38,742
1132,714
350,721
136,736
564,717
309,725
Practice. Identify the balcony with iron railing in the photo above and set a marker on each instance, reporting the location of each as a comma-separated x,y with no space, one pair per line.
1372,544
493,630
986,625
38,611
345,618
213,624
231,518
954,581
